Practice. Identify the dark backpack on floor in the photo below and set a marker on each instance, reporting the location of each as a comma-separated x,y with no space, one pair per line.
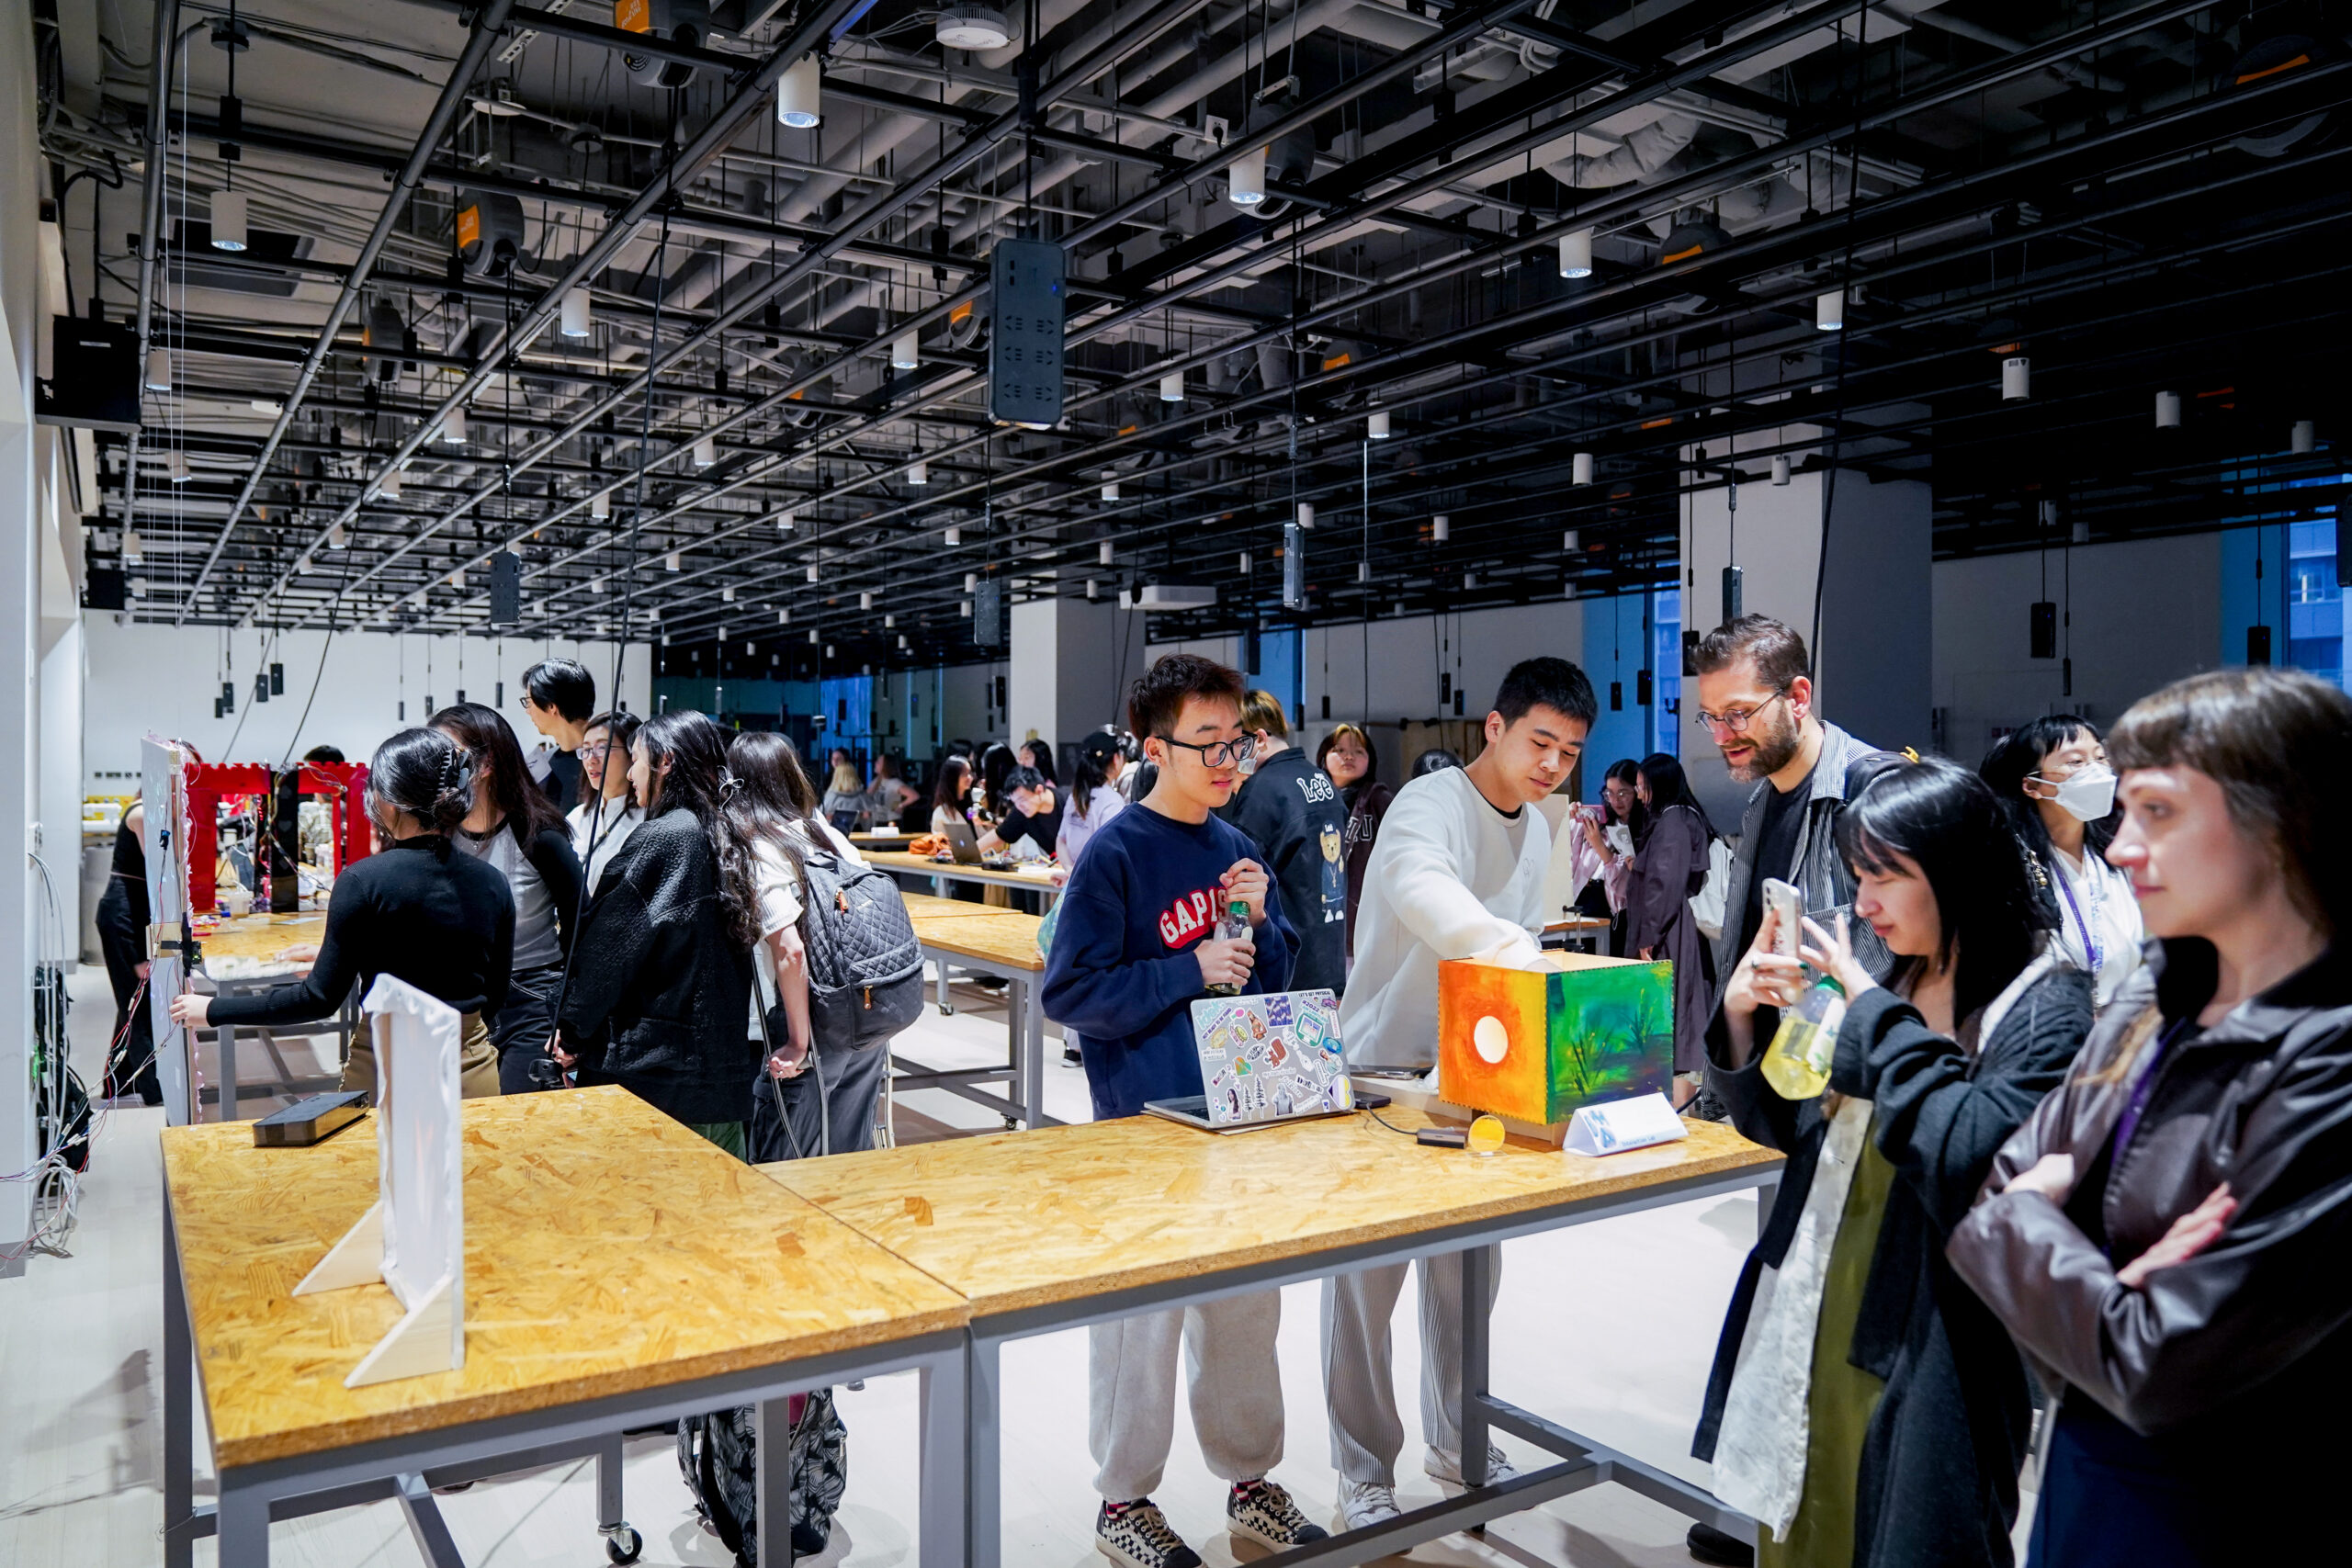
719,1454
864,964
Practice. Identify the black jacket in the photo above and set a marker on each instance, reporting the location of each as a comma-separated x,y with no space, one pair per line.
2230,1362
1292,811
1939,1481
660,995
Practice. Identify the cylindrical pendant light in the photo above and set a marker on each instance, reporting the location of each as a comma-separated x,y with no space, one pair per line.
228,215
812,636
1781,470
800,94
1091,587
1375,425
1245,563
1364,571
727,595
1571,541
1829,312
787,521
338,537
2304,438
2017,378
865,600
954,535
902,637
889,623
784,617
134,552
812,571
706,452
600,505
2082,531
453,429
1306,515
2167,411
1576,253
1245,181
920,474
1580,468
1440,529
905,352
1105,553
579,313
1171,387
159,369
971,582
967,609
388,487
1111,491
671,561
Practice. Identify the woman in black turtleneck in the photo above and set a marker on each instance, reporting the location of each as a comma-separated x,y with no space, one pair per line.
441,920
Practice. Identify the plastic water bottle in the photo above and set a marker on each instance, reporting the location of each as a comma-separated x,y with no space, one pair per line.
1232,926
1798,1064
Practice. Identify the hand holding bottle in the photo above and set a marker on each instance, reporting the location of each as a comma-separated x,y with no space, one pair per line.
1833,954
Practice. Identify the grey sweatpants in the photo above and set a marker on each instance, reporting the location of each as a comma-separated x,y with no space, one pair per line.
1359,1379
1232,1381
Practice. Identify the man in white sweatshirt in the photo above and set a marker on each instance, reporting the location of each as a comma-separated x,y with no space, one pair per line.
1458,872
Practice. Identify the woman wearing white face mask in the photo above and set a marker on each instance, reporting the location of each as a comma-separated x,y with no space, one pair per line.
2052,777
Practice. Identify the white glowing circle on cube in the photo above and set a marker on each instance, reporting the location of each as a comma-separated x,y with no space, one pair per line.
1491,1039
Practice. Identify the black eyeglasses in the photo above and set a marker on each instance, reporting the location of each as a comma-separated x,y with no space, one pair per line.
1218,753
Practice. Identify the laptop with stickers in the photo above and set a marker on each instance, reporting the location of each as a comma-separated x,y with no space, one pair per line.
1265,1059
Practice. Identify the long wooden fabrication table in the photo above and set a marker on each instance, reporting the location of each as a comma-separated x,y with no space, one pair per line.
987,940
1084,1223
619,1271
265,939
1039,881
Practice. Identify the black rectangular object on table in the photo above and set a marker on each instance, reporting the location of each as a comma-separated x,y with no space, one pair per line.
1026,309
311,1120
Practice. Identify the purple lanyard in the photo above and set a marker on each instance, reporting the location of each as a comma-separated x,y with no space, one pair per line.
2090,940
2144,1086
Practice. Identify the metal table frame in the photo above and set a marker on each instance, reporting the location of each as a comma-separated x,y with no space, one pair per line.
228,1091
954,871
408,1467
1024,1074
1583,1462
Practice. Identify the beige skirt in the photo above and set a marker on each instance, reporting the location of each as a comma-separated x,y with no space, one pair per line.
477,1060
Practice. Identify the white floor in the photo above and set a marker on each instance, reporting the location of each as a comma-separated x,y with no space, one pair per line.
1608,1327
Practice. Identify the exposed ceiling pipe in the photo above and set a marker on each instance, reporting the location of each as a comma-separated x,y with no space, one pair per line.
1961,26
151,209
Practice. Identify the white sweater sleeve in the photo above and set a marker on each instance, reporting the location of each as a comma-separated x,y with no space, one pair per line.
1423,843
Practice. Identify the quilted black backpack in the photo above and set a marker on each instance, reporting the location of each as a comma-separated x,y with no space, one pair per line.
864,964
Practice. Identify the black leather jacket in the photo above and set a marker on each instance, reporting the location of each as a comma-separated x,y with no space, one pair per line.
2232,1359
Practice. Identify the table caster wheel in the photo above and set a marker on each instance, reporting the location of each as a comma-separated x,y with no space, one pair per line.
946,1010
623,1544
1012,1123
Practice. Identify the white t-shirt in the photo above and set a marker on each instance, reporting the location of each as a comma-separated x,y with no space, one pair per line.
2096,906
1448,877
608,831
778,885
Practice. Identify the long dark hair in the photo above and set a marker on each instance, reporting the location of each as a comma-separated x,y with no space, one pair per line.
424,773
953,773
1945,820
995,763
696,751
1093,770
1042,750
2018,755
770,779
524,806
1669,785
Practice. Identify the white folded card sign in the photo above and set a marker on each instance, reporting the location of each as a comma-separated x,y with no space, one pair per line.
1616,1126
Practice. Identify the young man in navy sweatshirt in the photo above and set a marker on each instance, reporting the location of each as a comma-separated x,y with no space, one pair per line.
1135,944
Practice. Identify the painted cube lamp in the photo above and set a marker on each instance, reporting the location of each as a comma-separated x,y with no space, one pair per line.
1534,1044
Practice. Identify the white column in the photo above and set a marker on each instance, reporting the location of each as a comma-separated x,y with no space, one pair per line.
1072,662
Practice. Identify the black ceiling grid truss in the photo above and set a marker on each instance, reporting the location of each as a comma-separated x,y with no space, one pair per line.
356,421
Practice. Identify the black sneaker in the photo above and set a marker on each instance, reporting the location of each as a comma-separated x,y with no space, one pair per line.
1712,1546
1136,1534
1264,1512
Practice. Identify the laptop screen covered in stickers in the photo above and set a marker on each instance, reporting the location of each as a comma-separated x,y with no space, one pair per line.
1268,1058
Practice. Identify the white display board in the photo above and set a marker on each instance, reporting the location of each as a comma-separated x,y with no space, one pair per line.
163,767
414,1238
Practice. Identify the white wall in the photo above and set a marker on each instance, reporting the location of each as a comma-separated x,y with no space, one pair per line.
147,677
1072,661
2143,613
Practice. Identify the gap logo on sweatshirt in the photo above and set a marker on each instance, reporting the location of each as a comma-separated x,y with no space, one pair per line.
1190,918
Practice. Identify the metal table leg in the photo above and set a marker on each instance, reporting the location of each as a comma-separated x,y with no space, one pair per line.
1032,1052
939,1442
983,1461
226,1033
771,1421
425,1521
244,1521
1477,1265
179,1410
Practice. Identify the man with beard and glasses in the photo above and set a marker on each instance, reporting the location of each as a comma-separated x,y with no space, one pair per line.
1756,699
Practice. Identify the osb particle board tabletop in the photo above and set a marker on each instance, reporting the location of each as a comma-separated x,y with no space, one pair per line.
922,907
891,860
1005,938
607,1249
1023,1219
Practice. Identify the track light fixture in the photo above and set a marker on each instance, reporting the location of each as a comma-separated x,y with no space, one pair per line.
159,370
906,351
1781,470
866,601
2017,378
1245,180
133,551
705,451
1829,312
1580,468
579,313
812,571
1111,491
227,215
1171,387
920,474
600,505
1571,541
1306,515
671,561
1105,553
1375,425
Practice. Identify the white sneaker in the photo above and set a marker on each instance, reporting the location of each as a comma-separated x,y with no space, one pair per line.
1439,1465
1366,1502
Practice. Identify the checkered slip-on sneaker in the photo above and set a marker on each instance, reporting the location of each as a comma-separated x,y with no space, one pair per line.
1136,1534
1264,1512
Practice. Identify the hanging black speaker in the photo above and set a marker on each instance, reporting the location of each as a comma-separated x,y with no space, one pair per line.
2257,646
1691,654
1444,687
988,614
505,588
2042,641
1643,691
1616,696
277,680
1734,580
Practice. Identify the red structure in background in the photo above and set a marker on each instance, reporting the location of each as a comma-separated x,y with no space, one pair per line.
342,784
